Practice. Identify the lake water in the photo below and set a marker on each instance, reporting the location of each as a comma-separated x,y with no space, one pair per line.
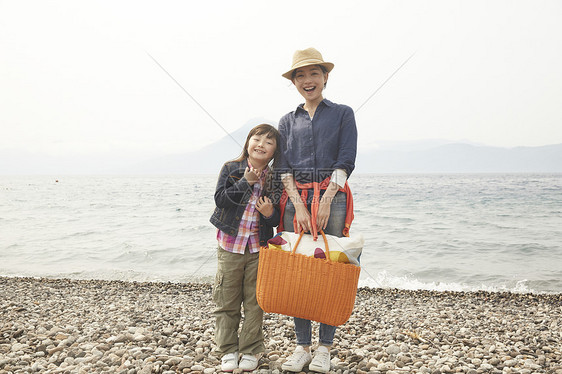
493,232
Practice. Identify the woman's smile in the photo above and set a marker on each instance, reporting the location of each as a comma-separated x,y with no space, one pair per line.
309,91
310,81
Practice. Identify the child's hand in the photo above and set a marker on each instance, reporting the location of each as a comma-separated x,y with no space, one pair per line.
252,175
264,206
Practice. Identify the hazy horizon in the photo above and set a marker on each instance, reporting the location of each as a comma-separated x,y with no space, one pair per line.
426,156
95,81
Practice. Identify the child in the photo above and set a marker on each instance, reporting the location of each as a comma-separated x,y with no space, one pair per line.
245,215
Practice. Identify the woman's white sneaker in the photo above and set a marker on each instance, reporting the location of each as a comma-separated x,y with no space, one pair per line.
229,362
321,360
299,359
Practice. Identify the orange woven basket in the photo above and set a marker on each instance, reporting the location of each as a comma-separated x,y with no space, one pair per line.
306,287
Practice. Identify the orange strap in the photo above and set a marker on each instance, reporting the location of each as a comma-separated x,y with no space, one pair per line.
326,246
316,186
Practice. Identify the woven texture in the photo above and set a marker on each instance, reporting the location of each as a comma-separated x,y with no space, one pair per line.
306,287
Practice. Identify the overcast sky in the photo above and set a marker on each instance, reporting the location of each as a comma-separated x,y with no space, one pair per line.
76,77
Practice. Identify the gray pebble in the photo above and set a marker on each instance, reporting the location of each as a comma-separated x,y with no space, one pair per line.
58,326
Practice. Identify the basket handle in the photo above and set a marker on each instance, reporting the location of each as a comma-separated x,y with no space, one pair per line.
325,243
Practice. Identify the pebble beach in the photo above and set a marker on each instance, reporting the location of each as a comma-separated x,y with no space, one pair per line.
94,326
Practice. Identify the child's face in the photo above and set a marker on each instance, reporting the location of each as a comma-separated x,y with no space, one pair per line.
261,148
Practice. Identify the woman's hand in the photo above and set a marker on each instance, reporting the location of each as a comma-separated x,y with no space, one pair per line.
303,218
252,175
302,215
265,206
323,213
325,205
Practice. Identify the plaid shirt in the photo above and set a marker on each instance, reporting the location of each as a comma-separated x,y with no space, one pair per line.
248,230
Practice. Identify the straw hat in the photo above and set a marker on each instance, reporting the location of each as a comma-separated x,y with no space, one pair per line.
306,57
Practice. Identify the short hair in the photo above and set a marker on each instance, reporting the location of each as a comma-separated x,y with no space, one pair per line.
324,70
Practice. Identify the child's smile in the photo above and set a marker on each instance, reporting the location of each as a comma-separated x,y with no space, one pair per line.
261,149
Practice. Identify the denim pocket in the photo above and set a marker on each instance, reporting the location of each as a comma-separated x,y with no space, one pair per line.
340,198
338,212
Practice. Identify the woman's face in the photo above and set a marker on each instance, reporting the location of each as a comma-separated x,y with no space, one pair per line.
310,81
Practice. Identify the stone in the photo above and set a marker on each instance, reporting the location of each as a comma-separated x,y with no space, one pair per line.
510,363
486,367
177,324
385,366
172,361
393,349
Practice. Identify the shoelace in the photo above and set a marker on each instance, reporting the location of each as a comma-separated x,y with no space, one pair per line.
298,357
322,358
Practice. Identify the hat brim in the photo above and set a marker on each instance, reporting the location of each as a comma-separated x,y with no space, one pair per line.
328,65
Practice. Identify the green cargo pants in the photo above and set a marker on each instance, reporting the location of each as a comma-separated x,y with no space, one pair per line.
235,285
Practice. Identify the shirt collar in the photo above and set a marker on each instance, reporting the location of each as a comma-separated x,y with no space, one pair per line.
324,101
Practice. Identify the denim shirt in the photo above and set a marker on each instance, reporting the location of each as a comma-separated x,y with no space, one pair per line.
231,197
312,148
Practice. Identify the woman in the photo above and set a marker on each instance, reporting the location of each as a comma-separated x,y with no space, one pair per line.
318,147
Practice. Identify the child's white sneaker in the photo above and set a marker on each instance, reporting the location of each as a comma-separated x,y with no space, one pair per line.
248,362
229,362
299,359
321,360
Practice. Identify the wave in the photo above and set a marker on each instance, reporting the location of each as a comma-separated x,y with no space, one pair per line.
382,280
386,280
447,233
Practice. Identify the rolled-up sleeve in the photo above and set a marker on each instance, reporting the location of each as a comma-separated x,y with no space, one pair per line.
347,151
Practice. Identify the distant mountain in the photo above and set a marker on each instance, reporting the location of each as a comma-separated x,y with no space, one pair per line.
462,158
207,160
445,158
430,156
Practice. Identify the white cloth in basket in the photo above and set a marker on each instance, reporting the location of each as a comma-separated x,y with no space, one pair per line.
344,249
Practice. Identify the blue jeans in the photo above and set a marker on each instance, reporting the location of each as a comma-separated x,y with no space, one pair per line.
336,223
303,330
